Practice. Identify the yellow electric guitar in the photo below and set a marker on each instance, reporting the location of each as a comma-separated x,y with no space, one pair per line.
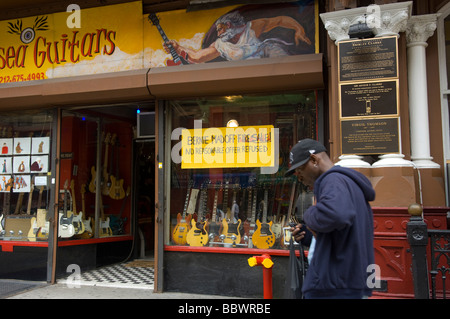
263,237
116,190
182,227
197,236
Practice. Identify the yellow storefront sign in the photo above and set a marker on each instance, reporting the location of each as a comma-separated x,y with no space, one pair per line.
246,146
109,39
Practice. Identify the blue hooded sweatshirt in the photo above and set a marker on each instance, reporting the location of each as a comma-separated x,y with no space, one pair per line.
343,222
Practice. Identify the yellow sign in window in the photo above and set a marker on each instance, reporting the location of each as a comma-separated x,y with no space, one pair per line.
246,146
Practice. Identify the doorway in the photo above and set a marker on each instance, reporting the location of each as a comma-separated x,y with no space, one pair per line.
144,197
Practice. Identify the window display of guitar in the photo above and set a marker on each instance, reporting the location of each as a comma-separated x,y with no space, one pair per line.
232,225
197,235
263,237
65,227
183,223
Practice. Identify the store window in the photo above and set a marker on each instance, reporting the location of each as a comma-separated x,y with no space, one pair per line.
25,174
95,172
237,205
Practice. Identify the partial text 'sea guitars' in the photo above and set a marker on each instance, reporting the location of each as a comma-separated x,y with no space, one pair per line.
263,237
182,227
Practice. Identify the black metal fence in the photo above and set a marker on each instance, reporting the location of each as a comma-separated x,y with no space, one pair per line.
432,271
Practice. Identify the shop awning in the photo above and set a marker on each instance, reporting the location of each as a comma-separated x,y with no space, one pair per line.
220,78
238,77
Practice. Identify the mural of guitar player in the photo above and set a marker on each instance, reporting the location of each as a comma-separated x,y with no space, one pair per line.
254,31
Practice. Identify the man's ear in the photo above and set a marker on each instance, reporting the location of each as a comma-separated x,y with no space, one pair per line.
314,159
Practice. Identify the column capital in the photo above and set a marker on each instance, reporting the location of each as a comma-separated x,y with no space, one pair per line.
384,20
420,28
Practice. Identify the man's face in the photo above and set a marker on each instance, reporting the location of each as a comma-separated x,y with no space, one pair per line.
307,173
225,31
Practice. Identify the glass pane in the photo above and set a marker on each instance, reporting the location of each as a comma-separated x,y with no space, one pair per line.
25,162
238,206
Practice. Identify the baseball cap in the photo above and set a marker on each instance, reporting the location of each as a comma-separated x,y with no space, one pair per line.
301,152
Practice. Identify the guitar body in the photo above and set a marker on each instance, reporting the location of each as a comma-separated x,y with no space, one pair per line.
263,236
215,229
181,229
197,235
105,230
116,190
2,222
231,232
65,227
277,229
42,232
78,224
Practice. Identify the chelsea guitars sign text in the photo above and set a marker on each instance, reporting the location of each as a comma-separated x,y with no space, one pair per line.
69,48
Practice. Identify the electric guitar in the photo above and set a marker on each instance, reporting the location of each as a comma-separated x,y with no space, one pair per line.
65,227
41,216
117,222
106,184
182,227
231,230
214,226
116,190
105,229
77,220
88,233
197,236
263,236
177,59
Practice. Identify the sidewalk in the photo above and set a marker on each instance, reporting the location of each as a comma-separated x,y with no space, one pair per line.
62,291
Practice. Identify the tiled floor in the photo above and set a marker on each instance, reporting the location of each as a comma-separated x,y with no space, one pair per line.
119,276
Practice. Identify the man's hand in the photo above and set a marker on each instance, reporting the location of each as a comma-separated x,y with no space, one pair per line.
297,233
174,44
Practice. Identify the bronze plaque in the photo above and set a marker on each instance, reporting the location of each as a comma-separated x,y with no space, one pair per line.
369,99
370,136
368,59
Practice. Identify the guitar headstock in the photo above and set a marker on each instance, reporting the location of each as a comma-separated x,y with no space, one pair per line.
66,184
153,18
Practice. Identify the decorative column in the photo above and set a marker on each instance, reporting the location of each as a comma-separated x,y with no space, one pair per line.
419,29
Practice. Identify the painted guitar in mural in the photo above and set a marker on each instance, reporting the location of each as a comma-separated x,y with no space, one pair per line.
263,237
182,227
177,59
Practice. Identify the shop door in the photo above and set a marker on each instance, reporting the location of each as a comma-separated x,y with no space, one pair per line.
144,199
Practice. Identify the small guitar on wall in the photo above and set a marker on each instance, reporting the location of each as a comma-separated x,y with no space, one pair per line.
263,236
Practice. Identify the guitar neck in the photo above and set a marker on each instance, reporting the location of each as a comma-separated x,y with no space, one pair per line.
174,53
216,195
266,196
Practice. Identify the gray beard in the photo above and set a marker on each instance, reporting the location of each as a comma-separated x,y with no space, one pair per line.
231,33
